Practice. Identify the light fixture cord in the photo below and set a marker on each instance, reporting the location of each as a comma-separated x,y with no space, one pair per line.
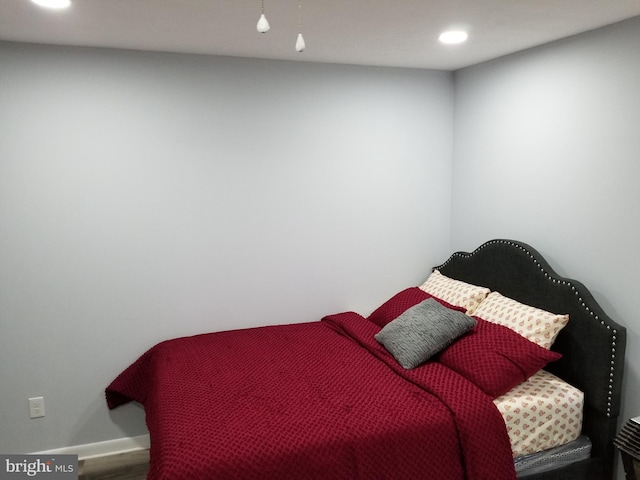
300,45
263,7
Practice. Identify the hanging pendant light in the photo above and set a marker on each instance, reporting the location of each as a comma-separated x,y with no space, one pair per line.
300,45
263,23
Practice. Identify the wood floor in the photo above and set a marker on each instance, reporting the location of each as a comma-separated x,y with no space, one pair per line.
124,466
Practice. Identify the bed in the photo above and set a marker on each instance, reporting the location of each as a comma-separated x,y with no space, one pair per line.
357,397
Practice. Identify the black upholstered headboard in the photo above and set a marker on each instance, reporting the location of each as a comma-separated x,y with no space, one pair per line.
592,344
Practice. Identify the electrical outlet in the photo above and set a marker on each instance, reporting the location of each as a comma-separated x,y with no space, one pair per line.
36,407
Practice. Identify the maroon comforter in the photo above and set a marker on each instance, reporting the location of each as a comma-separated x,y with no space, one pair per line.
319,400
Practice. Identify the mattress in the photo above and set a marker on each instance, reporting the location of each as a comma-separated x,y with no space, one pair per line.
542,413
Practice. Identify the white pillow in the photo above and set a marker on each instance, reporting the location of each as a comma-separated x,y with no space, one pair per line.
455,292
539,326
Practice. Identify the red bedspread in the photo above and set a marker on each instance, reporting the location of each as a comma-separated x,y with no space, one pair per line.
319,400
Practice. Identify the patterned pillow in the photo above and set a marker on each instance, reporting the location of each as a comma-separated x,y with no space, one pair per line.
495,357
455,292
537,325
401,302
422,331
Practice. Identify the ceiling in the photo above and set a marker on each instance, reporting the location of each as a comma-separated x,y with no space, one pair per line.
398,33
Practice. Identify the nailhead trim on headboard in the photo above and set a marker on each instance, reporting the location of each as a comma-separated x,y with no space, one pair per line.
612,369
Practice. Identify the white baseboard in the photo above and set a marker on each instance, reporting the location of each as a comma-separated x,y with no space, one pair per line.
103,449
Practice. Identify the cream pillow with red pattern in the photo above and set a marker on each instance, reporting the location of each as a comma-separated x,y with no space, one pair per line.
455,292
538,326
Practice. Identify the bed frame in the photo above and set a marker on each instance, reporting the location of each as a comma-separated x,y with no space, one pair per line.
592,344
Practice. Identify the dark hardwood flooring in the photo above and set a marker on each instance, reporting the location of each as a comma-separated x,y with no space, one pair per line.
124,466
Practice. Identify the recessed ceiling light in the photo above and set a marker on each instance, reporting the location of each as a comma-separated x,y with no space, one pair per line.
453,36
59,4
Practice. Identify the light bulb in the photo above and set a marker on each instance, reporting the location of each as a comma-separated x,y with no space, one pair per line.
53,3
300,45
453,37
263,24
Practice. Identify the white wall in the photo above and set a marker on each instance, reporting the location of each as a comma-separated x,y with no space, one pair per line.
145,196
547,151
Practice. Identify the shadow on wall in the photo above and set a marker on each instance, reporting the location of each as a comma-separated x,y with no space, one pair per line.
128,421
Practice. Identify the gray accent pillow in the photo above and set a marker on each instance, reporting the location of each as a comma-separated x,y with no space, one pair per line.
422,331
